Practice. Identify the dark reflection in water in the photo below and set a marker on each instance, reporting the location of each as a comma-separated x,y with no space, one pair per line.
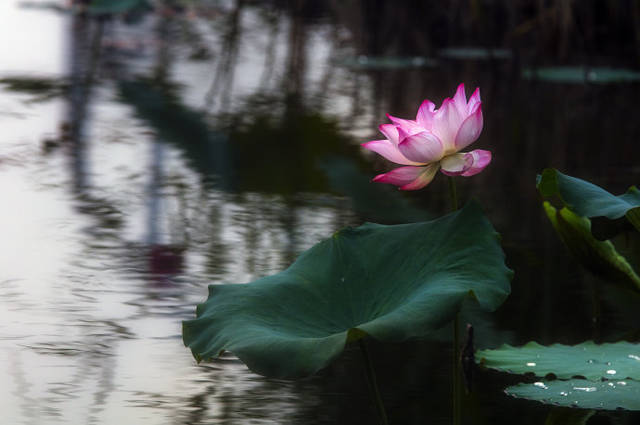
216,143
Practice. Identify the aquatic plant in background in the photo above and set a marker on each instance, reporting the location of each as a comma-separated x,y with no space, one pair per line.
586,375
586,217
433,141
588,200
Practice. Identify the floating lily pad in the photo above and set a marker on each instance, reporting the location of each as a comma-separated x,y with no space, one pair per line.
474,53
604,395
582,75
390,282
587,199
385,62
600,257
620,360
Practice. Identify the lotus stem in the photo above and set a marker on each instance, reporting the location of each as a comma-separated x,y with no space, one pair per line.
596,315
457,394
453,193
373,386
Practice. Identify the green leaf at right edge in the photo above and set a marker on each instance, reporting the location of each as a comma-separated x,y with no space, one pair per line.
620,360
588,200
604,395
600,257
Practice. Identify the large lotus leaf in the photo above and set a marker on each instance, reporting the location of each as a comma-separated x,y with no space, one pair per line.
587,199
390,282
620,360
600,257
604,395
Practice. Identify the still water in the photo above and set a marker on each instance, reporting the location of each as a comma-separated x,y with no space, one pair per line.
141,161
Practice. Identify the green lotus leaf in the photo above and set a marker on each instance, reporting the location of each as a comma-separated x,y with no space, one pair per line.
600,257
392,283
620,360
604,395
587,199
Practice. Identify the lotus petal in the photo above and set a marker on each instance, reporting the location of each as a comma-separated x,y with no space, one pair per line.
390,132
388,150
409,126
446,122
400,176
425,114
480,159
423,147
423,178
470,129
456,164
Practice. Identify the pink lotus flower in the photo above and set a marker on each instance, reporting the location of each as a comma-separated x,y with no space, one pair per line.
433,141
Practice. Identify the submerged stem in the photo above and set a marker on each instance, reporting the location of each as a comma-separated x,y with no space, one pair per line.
371,380
457,393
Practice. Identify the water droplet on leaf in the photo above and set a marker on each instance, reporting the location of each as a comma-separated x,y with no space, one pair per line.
585,389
